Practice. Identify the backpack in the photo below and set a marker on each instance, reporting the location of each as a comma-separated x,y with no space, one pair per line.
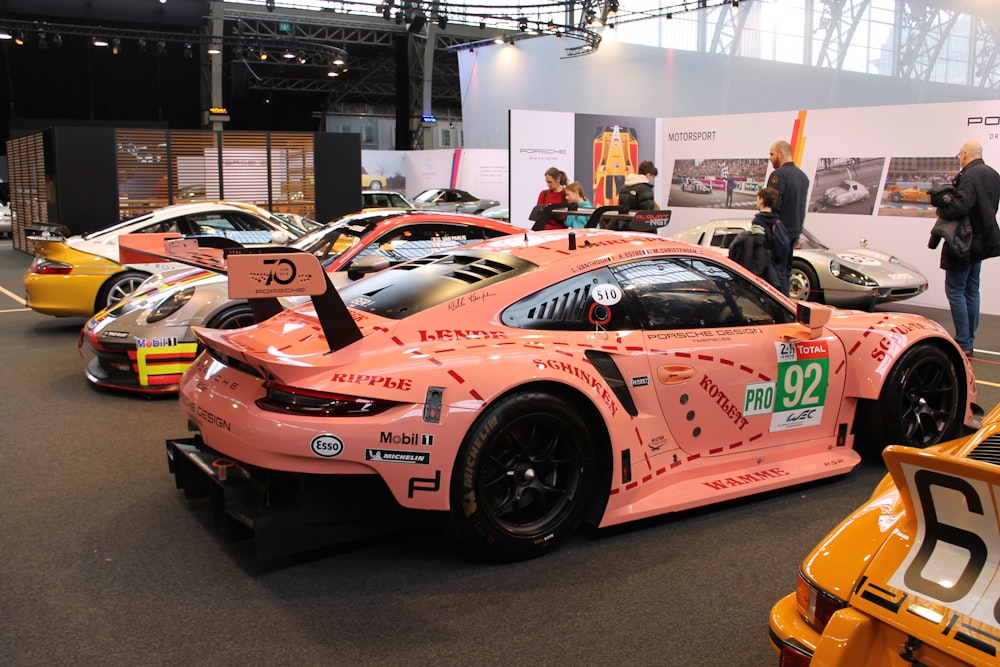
779,241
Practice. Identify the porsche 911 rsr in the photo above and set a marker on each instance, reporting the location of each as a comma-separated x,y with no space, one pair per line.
521,386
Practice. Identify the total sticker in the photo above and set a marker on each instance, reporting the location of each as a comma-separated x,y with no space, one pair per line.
327,446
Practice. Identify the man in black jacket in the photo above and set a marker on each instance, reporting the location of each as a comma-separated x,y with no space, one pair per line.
792,185
637,192
976,196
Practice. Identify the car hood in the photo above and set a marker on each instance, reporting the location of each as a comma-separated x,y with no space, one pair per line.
881,266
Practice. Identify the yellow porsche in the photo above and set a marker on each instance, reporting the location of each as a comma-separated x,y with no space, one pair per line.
910,578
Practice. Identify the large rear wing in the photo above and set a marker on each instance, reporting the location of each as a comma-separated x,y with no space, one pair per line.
603,217
261,275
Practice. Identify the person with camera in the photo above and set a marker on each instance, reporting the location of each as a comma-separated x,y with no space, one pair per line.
975,196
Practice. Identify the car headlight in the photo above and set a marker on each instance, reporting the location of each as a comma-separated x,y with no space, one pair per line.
850,275
815,605
170,305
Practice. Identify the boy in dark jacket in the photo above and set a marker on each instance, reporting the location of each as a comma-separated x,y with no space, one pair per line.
757,249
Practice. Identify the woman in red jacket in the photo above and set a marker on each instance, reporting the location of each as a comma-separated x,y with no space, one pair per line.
555,193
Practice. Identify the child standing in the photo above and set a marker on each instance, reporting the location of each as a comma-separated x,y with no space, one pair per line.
574,195
762,249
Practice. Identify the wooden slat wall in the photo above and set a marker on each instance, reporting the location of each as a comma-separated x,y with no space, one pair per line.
29,194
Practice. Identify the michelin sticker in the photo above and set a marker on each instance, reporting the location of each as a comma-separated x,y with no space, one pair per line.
796,399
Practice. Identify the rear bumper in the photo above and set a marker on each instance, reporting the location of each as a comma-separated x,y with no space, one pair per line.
285,513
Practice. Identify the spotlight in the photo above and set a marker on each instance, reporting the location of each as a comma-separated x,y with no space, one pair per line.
590,16
482,25
400,18
442,21
5,34
270,5
99,41
498,40
19,40
57,40
214,49
42,43
161,47
522,24
612,7
669,15
116,46
736,3
287,55
263,55
142,44
338,61
419,19
188,53
332,74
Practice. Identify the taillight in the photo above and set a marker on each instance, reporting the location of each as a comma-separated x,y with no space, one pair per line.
44,266
815,606
294,400
792,657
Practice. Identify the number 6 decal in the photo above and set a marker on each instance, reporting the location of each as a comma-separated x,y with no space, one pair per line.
937,532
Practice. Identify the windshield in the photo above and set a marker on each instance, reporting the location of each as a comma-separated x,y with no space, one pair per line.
427,195
116,227
808,241
333,240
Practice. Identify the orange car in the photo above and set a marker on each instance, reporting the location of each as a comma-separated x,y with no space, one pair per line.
910,194
910,577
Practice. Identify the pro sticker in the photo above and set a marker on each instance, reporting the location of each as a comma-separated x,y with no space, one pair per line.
327,446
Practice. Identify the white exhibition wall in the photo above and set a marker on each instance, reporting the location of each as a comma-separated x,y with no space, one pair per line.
747,104
887,149
482,172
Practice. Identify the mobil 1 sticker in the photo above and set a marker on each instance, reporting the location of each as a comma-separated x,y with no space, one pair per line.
800,389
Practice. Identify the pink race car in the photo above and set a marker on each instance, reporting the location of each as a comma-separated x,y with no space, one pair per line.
524,385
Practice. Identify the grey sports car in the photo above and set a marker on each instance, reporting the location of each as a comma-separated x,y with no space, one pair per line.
852,278
451,199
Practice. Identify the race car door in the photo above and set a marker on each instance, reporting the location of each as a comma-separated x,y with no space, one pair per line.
728,377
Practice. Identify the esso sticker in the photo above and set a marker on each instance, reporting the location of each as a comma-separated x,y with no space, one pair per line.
327,446
606,294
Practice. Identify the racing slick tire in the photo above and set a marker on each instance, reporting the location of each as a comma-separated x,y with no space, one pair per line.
118,287
803,283
234,317
523,477
920,403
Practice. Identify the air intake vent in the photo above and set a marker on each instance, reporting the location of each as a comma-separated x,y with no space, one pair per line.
988,451
608,369
478,270
566,307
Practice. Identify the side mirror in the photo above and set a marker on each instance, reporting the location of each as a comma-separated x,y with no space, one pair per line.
815,316
365,265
